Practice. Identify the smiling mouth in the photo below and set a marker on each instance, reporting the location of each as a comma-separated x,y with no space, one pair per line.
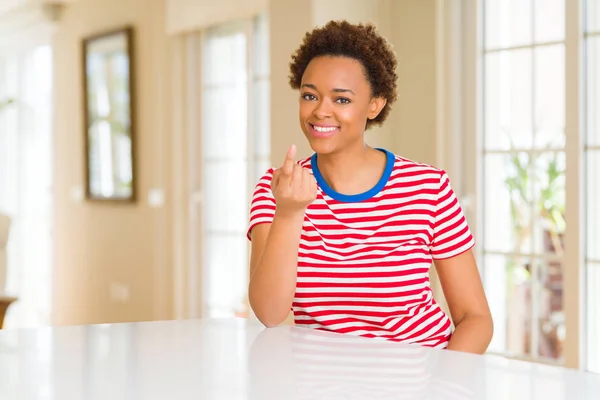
323,131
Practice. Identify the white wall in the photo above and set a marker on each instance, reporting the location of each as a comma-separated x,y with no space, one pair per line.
100,245
411,26
186,15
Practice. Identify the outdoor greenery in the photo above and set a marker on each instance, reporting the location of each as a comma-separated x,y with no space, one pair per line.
547,201
536,185
5,103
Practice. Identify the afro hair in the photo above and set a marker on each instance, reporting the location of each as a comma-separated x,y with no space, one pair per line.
360,42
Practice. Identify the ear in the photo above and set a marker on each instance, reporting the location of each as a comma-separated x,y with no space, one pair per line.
377,104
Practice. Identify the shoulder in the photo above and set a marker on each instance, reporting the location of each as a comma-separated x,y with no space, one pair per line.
419,176
406,167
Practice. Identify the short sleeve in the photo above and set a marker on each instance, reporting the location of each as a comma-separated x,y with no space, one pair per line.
451,233
262,206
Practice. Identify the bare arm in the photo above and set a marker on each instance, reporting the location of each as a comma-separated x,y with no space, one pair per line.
273,267
468,305
274,258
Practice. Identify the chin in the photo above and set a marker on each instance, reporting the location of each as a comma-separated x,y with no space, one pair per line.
322,146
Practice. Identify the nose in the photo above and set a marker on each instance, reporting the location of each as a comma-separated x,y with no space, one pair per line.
323,109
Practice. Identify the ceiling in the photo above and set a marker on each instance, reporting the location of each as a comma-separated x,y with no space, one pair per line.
9,5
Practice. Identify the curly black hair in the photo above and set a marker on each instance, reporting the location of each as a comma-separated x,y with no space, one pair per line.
360,42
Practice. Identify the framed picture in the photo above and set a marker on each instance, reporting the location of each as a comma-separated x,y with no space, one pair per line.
109,118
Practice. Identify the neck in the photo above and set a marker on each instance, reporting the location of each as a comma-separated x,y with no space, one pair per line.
352,171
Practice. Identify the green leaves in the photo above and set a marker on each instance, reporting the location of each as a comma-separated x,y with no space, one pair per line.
545,173
5,103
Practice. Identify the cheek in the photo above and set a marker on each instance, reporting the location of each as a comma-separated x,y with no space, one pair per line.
353,115
305,109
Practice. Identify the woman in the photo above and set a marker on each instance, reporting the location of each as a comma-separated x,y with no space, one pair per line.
346,237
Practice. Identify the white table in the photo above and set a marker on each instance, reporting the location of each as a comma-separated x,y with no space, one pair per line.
236,359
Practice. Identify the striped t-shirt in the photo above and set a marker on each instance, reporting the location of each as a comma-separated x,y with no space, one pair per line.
364,260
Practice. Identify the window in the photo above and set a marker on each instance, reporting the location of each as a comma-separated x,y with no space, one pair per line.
537,57
25,183
235,153
523,180
592,186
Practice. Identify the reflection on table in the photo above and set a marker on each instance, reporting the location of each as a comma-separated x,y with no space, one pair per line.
234,359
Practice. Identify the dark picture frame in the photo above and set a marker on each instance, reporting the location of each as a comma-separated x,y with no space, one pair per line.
109,115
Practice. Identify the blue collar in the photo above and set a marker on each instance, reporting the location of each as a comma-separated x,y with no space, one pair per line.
353,198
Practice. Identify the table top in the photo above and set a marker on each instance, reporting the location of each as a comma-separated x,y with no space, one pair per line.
236,359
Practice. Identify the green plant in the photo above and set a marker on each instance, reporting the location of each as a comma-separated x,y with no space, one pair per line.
535,182
518,182
547,201
5,103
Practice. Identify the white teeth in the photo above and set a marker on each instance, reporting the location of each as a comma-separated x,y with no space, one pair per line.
324,129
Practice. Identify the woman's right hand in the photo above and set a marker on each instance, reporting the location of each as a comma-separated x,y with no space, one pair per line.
293,186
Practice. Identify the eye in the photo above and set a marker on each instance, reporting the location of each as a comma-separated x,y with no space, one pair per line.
342,100
308,96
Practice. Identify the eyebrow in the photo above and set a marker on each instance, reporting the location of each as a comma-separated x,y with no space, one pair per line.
336,90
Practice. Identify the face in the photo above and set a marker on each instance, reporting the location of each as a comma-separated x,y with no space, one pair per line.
335,103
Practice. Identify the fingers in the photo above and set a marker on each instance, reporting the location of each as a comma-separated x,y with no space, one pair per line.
275,178
310,182
291,154
284,174
288,163
297,175
292,177
313,183
305,178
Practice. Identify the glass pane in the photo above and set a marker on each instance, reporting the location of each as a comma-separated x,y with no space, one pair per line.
507,284
225,196
225,273
508,99
507,203
550,96
262,123
593,317
224,57
593,15
507,23
261,46
549,20
550,313
592,87
592,215
224,128
549,192
9,138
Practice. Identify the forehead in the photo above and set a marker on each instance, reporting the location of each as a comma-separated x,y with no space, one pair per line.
329,71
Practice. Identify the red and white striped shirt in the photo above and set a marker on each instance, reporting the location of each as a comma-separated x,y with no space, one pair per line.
364,260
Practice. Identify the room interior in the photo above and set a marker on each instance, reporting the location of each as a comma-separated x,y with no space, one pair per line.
209,92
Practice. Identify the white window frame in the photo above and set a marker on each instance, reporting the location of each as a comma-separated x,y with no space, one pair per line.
188,202
580,98
472,114
25,27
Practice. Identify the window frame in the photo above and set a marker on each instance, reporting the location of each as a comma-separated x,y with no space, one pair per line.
27,278
189,193
587,261
473,180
